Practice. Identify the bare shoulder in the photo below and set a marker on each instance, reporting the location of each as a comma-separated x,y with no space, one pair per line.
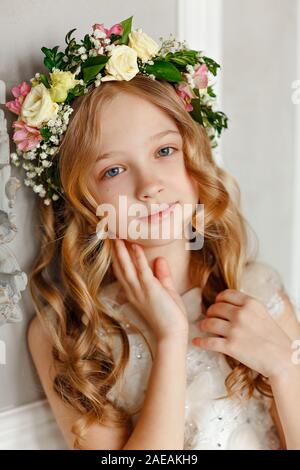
37,335
98,436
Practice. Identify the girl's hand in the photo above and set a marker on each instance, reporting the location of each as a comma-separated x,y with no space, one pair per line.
246,332
154,296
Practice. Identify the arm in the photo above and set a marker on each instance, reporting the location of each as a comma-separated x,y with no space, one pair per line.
154,430
285,383
286,391
97,436
161,422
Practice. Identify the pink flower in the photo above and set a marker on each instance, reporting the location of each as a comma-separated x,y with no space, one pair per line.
19,92
100,27
116,29
184,91
200,76
26,137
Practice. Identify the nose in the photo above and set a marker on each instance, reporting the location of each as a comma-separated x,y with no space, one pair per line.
149,187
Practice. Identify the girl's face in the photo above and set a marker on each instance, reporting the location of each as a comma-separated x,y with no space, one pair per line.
141,158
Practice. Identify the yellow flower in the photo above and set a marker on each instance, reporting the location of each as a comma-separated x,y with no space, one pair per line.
122,64
38,106
61,83
144,46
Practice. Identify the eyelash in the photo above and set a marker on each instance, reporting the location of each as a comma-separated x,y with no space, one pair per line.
110,177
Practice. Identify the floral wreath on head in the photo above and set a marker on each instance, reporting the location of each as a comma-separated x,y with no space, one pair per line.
118,53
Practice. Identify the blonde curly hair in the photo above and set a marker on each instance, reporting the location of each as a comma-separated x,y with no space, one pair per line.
73,264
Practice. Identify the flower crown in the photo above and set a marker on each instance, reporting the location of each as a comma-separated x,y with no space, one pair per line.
118,53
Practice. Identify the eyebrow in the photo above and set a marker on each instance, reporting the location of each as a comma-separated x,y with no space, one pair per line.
159,134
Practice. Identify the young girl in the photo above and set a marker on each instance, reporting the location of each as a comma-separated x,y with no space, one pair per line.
143,343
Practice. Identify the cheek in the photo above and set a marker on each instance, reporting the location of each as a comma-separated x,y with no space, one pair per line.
114,208
188,185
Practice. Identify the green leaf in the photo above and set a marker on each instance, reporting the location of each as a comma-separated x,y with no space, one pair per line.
71,47
216,119
78,90
183,57
47,52
211,65
48,63
164,70
127,25
52,59
196,112
115,37
92,67
44,80
76,58
87,42
98,60
46,133
67,38
211,92
59,60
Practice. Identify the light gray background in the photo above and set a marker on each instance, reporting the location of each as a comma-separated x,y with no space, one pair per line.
258,50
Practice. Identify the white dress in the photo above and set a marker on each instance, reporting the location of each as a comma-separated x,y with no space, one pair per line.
209,423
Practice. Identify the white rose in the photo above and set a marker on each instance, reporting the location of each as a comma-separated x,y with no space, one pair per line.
122,64
144,46
38,106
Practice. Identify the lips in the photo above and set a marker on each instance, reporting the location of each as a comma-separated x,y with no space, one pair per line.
159,213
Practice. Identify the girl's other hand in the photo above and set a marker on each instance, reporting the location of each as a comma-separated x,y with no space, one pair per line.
245,330
153,294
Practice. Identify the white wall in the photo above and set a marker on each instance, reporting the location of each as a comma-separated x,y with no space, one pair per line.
259,66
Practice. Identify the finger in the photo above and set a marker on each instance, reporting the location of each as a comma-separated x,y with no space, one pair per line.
163,273
215,326
232,296
117,269
131,249
221,310
144,270
211,343
126,264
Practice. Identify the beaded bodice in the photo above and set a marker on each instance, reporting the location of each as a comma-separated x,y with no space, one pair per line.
209,423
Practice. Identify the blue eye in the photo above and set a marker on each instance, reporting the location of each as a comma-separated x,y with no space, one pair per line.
166,148
111,169
116,167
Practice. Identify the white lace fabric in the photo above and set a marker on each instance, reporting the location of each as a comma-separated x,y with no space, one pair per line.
209,423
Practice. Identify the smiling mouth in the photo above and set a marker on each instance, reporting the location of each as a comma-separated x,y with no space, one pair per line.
159,215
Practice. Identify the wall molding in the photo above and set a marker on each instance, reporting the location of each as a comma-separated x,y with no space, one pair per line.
30,427
12,279
200,23
295,262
